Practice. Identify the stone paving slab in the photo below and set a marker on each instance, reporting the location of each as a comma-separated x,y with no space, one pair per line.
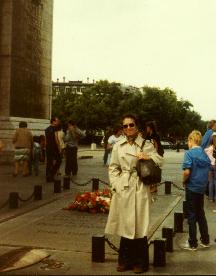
66,235
179,262
53,228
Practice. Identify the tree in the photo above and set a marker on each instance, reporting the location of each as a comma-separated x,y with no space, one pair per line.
104,103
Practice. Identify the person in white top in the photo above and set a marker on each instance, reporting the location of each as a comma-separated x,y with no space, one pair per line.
112,140
211,152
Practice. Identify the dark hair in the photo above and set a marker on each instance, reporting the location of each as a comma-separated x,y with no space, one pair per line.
53,119
22,124
116,128
36,139
42,138
152,125
131,116
71,122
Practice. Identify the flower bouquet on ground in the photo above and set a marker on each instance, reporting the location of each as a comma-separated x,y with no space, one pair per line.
93,202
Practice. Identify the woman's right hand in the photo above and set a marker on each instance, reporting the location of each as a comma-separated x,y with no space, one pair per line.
142,155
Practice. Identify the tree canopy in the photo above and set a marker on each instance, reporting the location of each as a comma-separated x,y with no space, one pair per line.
104,103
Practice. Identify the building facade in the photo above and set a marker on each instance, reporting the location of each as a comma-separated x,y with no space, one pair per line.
75,87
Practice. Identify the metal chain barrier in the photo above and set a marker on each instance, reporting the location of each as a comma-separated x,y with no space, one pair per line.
27,199
176,186
103,182
179,188
111,245
83,184
159,184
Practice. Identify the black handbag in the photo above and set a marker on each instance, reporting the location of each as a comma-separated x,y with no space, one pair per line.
148,172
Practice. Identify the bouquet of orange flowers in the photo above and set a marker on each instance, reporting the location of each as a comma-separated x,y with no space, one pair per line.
93,202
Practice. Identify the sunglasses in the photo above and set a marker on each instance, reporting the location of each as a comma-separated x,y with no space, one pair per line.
129,125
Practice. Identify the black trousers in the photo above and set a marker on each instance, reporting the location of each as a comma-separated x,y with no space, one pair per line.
105,157
71,165
134,252
53,162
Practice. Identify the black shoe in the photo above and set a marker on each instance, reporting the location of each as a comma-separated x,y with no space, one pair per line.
139,269
122,268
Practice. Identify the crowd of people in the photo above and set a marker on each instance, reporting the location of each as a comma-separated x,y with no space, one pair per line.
129,214
50,148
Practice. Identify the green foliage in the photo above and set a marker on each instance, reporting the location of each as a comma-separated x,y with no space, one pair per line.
104,103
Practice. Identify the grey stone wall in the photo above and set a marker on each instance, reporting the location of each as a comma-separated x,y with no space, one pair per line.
31,58
25,71
5,56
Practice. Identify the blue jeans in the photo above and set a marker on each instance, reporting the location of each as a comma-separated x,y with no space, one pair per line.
212,184
196,214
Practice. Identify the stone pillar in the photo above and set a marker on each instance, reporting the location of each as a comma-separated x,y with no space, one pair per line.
25,71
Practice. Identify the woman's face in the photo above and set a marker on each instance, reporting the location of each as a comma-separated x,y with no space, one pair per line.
129,127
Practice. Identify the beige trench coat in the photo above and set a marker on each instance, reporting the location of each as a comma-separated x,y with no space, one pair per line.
129,210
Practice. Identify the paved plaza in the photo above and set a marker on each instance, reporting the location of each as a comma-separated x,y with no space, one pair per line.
67,235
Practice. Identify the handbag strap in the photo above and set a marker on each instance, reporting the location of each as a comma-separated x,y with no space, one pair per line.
143,143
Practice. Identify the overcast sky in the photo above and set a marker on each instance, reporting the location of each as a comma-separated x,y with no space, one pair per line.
163,43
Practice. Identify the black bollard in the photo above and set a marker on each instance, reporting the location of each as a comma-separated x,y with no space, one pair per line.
13,200
185,210
37,192
168,187
159,252
57,186
95,184
167,233
98,248
66,183
178,222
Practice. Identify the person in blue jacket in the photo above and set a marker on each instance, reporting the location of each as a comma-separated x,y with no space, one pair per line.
206,140
196,167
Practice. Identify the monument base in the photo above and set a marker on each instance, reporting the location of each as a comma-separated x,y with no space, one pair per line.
8,125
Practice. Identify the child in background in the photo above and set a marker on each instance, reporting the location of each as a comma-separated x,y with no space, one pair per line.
211,152
36,154
42,143
196,166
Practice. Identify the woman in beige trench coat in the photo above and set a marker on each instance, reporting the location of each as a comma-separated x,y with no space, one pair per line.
129,210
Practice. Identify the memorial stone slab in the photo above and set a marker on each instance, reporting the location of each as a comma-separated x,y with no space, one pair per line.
51,227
